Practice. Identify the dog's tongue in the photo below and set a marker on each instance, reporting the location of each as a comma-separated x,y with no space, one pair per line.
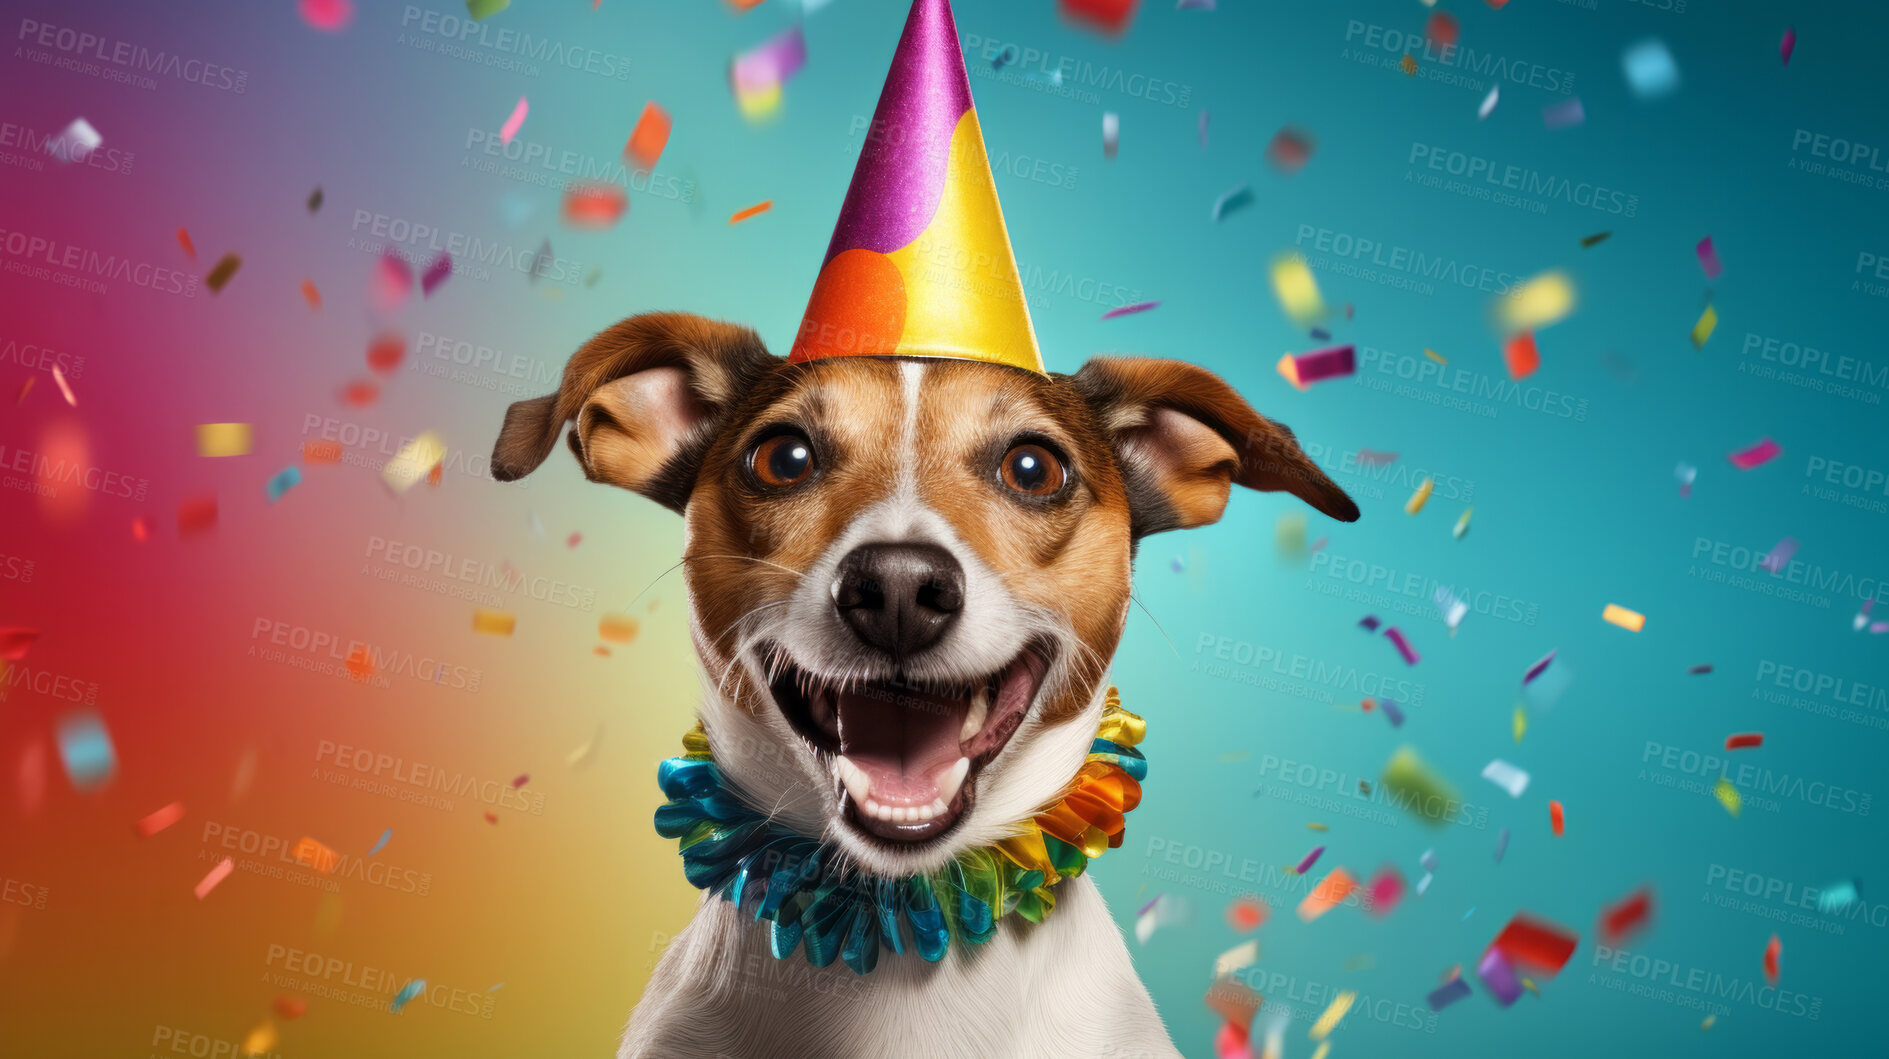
903,739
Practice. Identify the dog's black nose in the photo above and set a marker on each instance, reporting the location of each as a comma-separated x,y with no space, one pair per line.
899,598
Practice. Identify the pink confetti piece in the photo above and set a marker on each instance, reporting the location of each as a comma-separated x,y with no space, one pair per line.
436,273
1386,890
515,122
1369,622
574,539
1538,668
329,16
768,66
60,378
1129,310
392,280
1708,258
161,819
1310,859
523,778
215,876
1403,646
1780,555
1563,115
1787,45
1878,628
1757,455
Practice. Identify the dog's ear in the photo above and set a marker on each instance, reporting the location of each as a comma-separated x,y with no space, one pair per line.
1183,436
647,396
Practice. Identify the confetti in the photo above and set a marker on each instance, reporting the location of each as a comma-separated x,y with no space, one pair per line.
1650,69
223,439
1310,859
1231,201
1330,891
520,780
1415,788
1708,258
494,622
1520,723
650,136
1399,641
161,819
1392,713
1408,65
315,855
314,200
1317,827
284,480
752,211
413,462
1441,30
480,10
221,274
15,641
1501,844
1303,369
617,628
321,452
1538,668
391,281
1744,740
1297,291
1499,976
1536,943
1706,1022
1772,952
290,1007
1837,897
1290,149
1614,614
1165,910
1487,106
1109,16
1420,497
1520,356
408,992
77,141
330,16
1202,126
1454,610
1564,114
1506,776
1699,671
25,388
1376,459
584,753
213,877
1728,796
1111,133
1244,954
1340,1005
1622,919
594,206
1757,455
1702,331
140,529
491,818
1434,355
310,294
1233,1000
1247,913
1590,241
385,837
437,272
758,74
360,393
65,389
1539,302
1780,554
1386,891
1130,310
515,122
1788,45
183,240
1449,993
1556,819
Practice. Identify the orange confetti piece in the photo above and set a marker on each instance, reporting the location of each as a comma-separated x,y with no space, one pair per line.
25,388
600,652
494,622
650,137
60,378
1630,620
1772,953
321,452
183,240
317,856
161,819
1247,913
1332,889
360,662
434,476
617,628
1556,819
491,817
594,205
741,215
290,1007
214,876
312,295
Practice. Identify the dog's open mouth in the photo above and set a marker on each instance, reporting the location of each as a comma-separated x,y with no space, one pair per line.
907,754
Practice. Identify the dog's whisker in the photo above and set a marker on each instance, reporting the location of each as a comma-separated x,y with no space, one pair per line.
745,559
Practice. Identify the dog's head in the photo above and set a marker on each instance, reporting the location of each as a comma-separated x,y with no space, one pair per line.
906,577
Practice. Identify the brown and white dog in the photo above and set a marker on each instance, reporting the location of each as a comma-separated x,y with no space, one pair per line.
906,579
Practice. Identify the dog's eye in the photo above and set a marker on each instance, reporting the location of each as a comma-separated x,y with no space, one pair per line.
1032,470
782,460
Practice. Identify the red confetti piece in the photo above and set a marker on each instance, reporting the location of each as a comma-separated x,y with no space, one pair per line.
1555,818
1772,953
215,876
360,393
1441,29
321,452
594,205
523,778
310,294
1109,16
183,240
650,137
1247,913
140,529
161,819
574,539
752,211
196,515
1232,1042
1744,740
15,641
1521,356
290,1007
1536,943
329,16
386,352
1386,890
1617,921
360,662
1289,150
30,780
491,817
600,652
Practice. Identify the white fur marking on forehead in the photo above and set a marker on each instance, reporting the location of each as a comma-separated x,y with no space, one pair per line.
911,375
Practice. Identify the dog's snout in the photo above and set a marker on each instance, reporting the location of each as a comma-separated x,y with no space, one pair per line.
899,598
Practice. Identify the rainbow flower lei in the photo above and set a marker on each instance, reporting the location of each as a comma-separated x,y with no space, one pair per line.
806,890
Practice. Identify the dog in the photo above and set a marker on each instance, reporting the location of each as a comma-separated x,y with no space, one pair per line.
906,580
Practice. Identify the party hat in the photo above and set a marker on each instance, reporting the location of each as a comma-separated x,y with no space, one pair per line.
920,263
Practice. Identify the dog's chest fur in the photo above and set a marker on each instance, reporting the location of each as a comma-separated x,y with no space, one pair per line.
1064,987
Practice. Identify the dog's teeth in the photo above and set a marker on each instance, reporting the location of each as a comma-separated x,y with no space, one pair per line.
952,779
937,806
858,784
974,719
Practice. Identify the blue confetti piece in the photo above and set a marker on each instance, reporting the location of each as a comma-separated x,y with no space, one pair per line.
385,837
1501,845
1650,69
1448,993
1835,898
86,749
408,992
1391,711
1471,912
286,479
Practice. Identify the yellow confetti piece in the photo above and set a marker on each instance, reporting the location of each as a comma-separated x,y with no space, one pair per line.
1409,65
223,439
1324,1049
1297,291
1728,796
261,1039
415,461
1630,620
1432,354
1317,827
1702,331
1420,497
1340,1005
617,628
1244,954
1706,1023
494,622
1529,984
1521,723
1540,302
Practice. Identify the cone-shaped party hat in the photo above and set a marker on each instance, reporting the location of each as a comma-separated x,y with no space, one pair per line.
920,263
